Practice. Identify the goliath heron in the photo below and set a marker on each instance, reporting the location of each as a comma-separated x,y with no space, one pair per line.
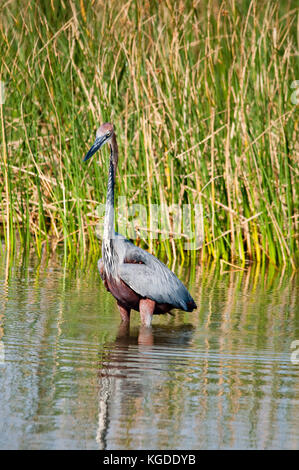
137,279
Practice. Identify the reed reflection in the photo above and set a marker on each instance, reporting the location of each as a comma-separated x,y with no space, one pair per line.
220,377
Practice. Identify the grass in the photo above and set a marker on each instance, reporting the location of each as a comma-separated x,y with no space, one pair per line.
200,96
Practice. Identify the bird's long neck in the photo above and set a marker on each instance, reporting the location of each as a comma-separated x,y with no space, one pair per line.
110,257
109,211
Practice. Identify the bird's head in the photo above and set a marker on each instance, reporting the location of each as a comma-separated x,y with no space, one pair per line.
105,133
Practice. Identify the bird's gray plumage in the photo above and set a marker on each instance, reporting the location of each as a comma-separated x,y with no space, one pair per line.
151,279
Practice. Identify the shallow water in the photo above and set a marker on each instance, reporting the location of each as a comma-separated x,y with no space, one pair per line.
71,377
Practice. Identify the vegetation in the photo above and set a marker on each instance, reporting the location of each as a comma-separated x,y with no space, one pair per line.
200,96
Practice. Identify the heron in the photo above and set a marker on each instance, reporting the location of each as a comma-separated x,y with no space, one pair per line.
137,279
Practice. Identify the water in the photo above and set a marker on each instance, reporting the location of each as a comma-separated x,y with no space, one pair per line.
221,377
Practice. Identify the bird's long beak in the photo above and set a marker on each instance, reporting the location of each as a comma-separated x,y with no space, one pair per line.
99,142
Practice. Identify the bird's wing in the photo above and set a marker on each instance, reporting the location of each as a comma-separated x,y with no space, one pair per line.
152,279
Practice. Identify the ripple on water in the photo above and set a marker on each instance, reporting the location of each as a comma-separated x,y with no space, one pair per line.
220,377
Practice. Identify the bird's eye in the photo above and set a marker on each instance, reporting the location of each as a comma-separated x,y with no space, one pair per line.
108,134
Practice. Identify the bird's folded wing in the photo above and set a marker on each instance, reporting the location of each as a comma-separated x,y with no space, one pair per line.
154,285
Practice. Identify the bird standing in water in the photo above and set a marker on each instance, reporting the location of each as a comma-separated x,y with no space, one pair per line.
137,279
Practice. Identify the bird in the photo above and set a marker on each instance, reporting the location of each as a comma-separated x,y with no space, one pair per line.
136,278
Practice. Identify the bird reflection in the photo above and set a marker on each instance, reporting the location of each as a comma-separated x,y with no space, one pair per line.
144,336
124,373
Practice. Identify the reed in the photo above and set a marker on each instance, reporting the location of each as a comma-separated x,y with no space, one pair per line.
200,93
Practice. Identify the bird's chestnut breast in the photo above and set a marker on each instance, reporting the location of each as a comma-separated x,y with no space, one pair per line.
123,293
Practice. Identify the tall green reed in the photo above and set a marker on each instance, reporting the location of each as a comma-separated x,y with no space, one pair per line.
199,93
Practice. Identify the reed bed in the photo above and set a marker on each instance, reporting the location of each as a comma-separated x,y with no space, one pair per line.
200,93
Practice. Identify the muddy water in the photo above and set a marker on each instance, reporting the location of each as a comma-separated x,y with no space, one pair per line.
71,377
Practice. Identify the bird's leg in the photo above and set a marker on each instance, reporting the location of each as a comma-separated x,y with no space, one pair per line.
123,331
146,309
124,313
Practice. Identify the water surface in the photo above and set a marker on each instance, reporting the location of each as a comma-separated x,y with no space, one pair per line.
72,377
